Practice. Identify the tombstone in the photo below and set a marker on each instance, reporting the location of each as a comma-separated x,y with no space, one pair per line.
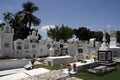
92,42
104,54
51,50
79,54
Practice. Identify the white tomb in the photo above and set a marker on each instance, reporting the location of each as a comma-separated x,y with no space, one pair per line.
30,46
58,60
51,51
104,54
79,55
6,40
104,46
114,47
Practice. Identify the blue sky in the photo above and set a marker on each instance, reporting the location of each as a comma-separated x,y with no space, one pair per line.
94,14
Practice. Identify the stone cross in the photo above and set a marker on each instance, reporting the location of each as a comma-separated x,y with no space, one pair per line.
104,36
7,22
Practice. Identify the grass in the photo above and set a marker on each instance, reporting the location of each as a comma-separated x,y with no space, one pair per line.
114,75
49,67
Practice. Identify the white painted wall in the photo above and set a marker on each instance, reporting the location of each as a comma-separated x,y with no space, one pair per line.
15,63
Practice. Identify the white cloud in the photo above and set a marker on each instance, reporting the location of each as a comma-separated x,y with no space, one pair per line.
1,21
108,26
45,28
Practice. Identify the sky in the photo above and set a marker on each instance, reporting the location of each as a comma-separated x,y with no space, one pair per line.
93,14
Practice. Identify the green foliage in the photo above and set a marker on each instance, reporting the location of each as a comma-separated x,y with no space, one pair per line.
63,32
82,33
114,75
21,32
99,35
108,37
118,36
21,19
8,16
85,34
27,17
50,67
2,24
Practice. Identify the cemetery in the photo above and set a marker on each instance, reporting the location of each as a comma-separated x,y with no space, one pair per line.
77,56
65,40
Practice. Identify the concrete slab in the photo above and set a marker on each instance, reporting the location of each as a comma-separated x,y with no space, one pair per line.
11,71
37,71
14,76
25,74
66,71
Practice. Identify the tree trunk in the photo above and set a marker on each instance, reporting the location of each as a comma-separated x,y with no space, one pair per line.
30,22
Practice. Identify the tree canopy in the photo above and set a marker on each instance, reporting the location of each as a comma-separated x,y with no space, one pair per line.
118,36
84,33
21,21
27,17
57,33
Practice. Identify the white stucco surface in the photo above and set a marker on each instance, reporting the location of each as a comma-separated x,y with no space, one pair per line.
13,63
58,60
25,74
81,64
11,71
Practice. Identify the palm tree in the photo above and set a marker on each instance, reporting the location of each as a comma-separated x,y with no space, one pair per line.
27,17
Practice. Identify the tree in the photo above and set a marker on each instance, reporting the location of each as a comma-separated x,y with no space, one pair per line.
27,17
85,34
107,37
8,16
2,24
20,20
54,33
118,36
99,35
20,32
82,33
63,32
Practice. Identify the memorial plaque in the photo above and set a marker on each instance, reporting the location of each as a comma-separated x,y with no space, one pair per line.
109,56
104,55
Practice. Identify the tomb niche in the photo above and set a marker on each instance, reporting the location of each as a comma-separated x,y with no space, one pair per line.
79,55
